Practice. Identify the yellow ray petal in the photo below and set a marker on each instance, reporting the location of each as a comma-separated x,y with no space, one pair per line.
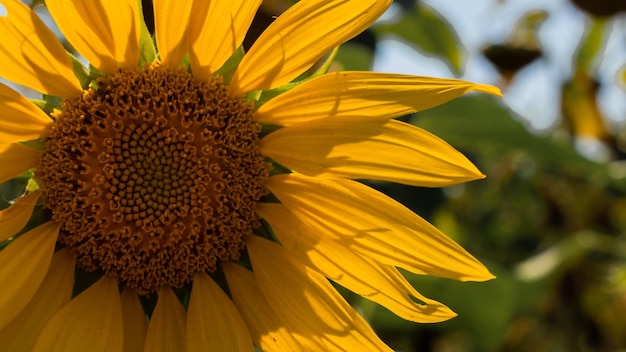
166,331
105,32
207,306
300,37
135,321
92,321
307,302
268,330
23,265
371,223
216,30
377,282
16,159
55,291
14,218
32,55
170,29
391,151
363,96
21,119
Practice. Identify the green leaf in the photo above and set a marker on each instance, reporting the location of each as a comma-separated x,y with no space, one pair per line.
230,66
428,32
354,57
484,126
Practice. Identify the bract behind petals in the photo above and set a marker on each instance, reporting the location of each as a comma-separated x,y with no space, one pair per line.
32,55
301,36
92,321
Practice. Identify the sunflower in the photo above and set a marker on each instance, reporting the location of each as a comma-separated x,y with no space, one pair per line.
198,198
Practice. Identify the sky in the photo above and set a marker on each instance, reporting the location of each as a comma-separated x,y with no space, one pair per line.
535,92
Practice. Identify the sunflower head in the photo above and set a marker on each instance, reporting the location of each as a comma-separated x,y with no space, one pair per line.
187,183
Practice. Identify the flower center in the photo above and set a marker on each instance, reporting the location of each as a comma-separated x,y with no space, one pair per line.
154,176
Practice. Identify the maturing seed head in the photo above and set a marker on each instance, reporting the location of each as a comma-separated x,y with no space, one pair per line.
154,176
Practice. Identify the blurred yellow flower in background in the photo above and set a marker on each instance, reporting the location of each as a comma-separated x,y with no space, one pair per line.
207,196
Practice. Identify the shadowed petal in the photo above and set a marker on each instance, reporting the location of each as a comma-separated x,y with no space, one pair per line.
268,330
216,30
377,282
166,331
213,322
23,266
363,96
55,291
32,55
135,321
308,304
16,159
21,119
105,32
390,151
300,37
369,222
14,218
92,321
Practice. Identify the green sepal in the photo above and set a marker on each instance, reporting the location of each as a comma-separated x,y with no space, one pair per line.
80,71
47,104
147,49
230,66
36,144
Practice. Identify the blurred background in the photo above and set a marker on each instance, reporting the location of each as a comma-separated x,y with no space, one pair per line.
550,219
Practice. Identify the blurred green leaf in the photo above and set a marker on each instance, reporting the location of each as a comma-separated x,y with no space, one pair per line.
354,57
483,125
430,33
592,44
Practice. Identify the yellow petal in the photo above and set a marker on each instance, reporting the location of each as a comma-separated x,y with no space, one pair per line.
92,321
363,96
268,330
170,29
308,303
207,306
391,151
105,32
14,218
166,331
55,291
16,159
300,37
135,321
377,282
216,30
23,265
32,55
371,223
21,119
